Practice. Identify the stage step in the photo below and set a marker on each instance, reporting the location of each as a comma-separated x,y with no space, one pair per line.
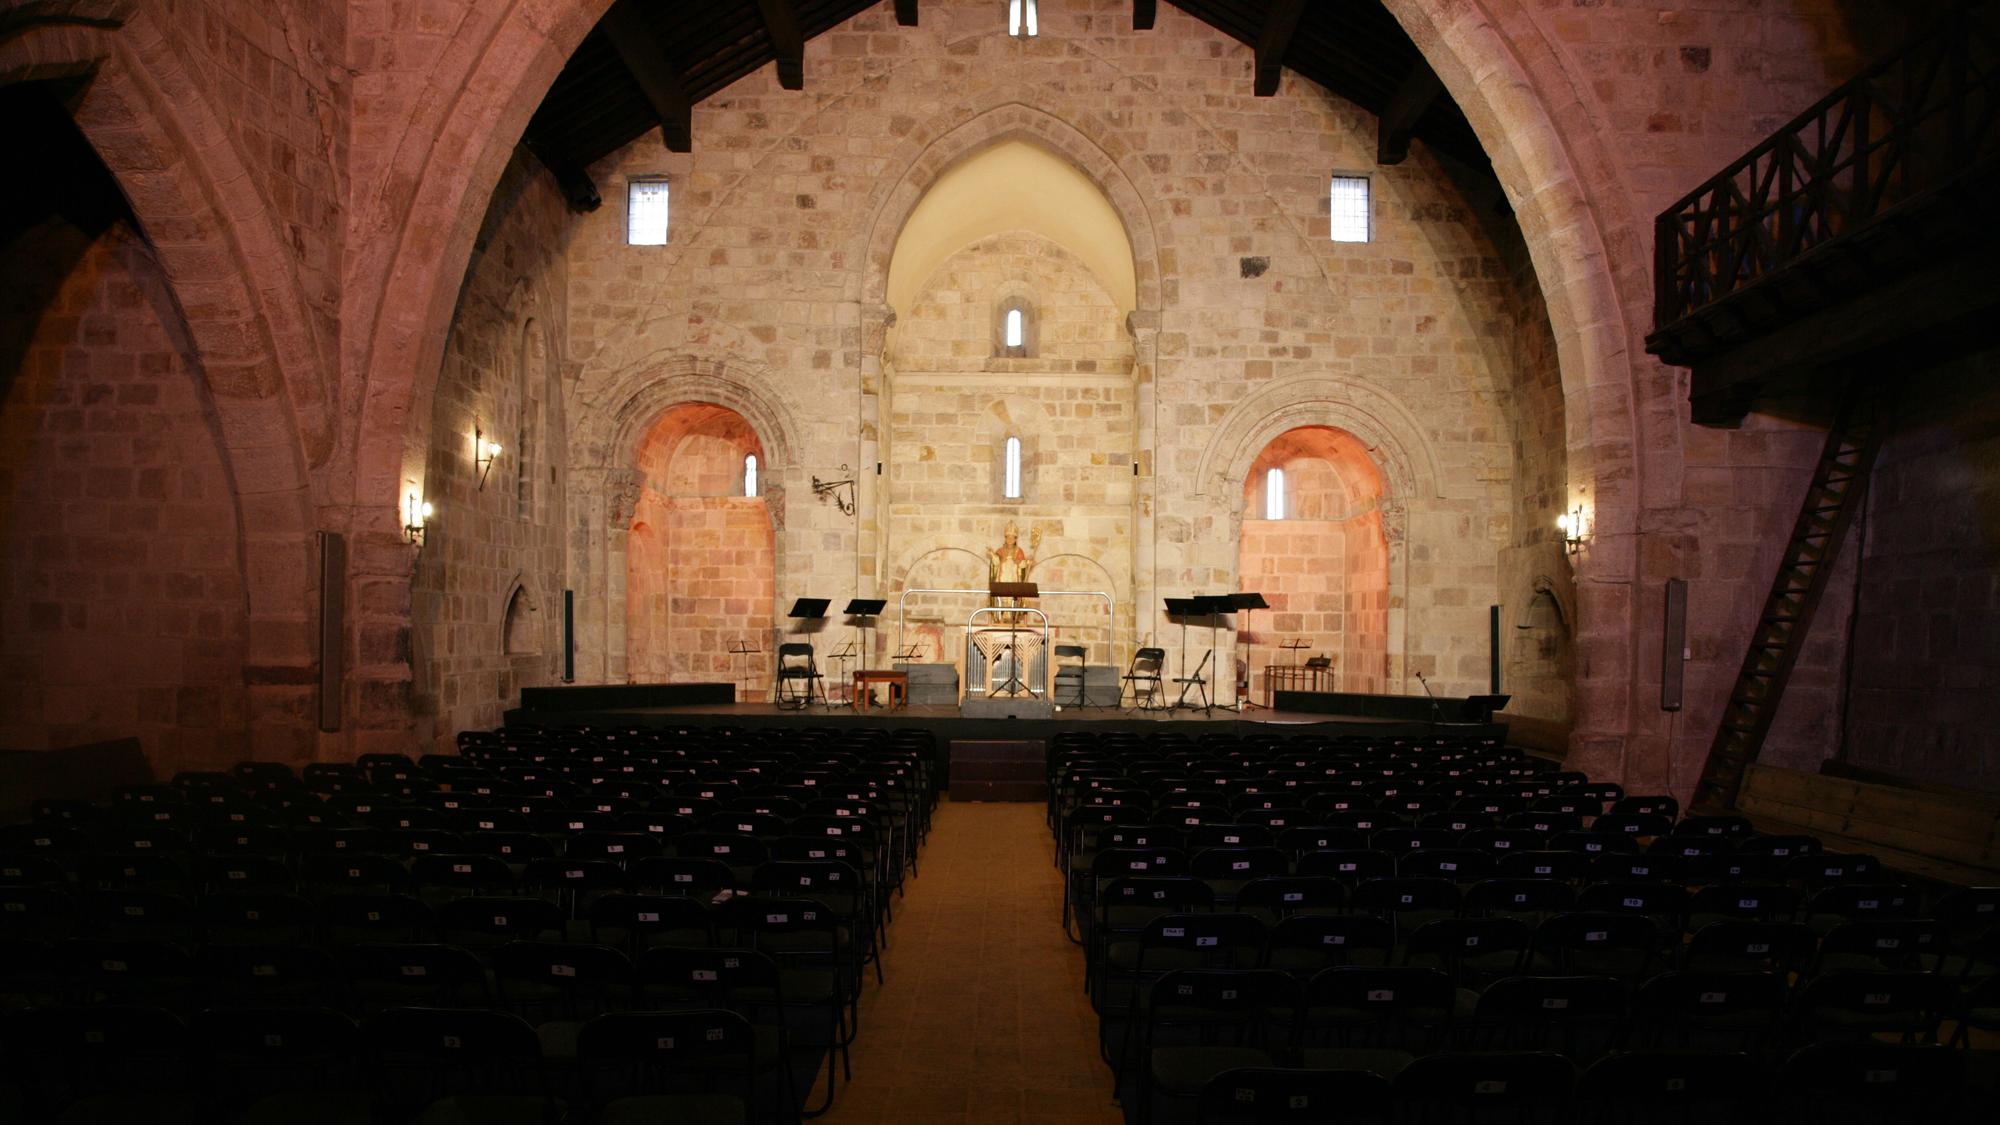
1014,769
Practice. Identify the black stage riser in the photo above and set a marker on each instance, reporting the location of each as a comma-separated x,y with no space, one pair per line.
950,726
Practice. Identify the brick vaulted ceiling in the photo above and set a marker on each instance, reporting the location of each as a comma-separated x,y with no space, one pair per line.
648,62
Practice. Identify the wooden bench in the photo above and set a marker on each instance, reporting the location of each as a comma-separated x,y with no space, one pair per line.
899,687
1952,835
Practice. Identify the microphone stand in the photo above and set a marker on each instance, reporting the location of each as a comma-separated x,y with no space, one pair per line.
1437,712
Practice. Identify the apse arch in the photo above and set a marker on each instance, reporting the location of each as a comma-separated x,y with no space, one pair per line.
949,140
1011,183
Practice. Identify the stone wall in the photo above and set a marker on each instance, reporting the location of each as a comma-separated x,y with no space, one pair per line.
496,536
121,584
314,175
1926,647
1249,318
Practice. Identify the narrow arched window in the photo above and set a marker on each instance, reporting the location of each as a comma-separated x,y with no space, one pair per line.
1274,494
1014,327
1011,481
750,474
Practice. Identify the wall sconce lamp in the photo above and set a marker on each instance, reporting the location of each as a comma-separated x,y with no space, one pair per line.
832,488
1570,524
483,453
415,512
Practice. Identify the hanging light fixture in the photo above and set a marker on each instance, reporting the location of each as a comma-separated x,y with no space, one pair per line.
1570,523
483,454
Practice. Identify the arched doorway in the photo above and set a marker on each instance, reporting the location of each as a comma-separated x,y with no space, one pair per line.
1314,545
700,558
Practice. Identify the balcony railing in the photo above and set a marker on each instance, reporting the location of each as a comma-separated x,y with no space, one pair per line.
1912,123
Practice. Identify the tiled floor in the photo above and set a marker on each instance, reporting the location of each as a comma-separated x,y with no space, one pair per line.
982,1019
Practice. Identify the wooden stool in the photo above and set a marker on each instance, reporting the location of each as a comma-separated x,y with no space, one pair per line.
899,687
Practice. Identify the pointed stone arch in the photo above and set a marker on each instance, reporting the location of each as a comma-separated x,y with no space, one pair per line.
521,628
1572,205
236,290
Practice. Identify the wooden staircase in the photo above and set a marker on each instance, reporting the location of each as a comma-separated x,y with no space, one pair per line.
1839,483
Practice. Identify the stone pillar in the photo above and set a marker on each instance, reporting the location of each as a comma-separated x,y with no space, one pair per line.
604,501
1144,325
1396,533
380,709
871,538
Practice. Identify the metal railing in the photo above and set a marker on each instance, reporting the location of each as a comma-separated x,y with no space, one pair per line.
1907,125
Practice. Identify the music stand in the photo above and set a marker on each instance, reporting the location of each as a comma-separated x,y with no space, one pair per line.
1179,610
841,657
1320,667
1214,607
863,611
1248,603
1015,685
741,647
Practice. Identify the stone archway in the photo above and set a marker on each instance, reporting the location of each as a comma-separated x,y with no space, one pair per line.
607,491
1572,208
236,293
1311,540
700,557
1386,435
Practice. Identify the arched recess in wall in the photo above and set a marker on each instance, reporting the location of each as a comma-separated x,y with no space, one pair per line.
520,623
934,622
701,570
1323,563
1375,429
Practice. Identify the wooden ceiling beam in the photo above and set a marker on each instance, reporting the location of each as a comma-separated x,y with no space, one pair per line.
781,23
1273,40
906,13
578,189
1407,106
640,49
1144,13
